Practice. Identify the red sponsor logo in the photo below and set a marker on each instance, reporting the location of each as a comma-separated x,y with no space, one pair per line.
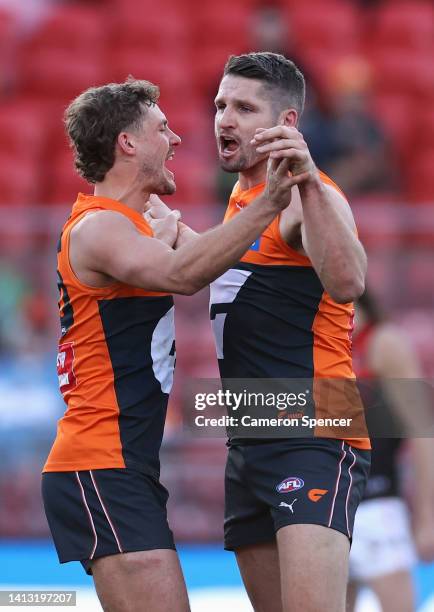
65,367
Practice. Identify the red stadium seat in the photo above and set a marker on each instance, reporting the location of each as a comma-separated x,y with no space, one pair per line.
171,73
59,75
19,180
194,178
74,27
420,176
23,128
395,112
405,25
8,38
227,28
325,25
402,72
62,183
156,26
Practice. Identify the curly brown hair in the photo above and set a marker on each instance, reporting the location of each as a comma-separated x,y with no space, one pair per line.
96,117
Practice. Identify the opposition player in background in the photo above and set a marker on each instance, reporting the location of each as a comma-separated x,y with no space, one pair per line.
285,311
103,499
387,535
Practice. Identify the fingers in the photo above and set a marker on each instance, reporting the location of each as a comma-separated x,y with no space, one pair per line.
278,131
176,214
154,199
278,145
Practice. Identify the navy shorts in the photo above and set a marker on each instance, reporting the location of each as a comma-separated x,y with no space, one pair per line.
95,513
271,484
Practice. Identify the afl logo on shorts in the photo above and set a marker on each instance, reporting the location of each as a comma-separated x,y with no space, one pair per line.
293,483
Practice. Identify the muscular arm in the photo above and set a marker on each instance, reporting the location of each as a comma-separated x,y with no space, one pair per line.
329,239
326,222
108,243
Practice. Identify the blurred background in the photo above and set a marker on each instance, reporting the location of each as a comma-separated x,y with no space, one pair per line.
369,122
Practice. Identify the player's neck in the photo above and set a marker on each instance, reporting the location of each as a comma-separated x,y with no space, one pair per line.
253,176
128,193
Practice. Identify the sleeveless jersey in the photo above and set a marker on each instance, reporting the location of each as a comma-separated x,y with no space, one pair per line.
115,364
271,317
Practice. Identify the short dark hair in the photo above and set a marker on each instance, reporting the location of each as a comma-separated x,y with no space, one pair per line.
276,71
96,117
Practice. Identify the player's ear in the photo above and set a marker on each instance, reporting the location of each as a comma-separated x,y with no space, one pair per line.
288,117
126,143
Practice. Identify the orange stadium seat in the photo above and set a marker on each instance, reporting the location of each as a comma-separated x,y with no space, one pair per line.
404,25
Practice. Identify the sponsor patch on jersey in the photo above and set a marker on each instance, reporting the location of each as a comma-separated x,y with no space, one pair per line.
293,483
255,245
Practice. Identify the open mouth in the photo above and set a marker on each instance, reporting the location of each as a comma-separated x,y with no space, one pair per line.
228,146
169,157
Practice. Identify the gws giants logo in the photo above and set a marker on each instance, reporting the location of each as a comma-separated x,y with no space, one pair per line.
293,483
316,494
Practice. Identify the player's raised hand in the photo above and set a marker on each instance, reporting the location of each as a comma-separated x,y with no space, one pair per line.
166,228
279,182
156,208
287,143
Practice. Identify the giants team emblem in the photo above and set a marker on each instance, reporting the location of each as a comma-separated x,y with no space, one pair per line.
293,483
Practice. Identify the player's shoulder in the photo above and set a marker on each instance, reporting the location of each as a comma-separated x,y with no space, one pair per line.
330,183
101,219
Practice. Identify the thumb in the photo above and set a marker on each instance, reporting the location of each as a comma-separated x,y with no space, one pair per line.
176,214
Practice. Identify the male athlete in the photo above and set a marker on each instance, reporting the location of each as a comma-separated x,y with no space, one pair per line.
102,495
285,311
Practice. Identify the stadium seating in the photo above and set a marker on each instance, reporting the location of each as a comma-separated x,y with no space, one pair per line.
420,176
61,182
403,25
405,73
60,74
22,129
330,26
74,27
19,180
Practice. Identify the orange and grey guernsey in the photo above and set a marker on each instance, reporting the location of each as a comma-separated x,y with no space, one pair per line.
272,318
115,364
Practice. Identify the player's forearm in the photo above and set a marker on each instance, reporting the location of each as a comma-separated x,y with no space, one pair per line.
336,253
200,261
